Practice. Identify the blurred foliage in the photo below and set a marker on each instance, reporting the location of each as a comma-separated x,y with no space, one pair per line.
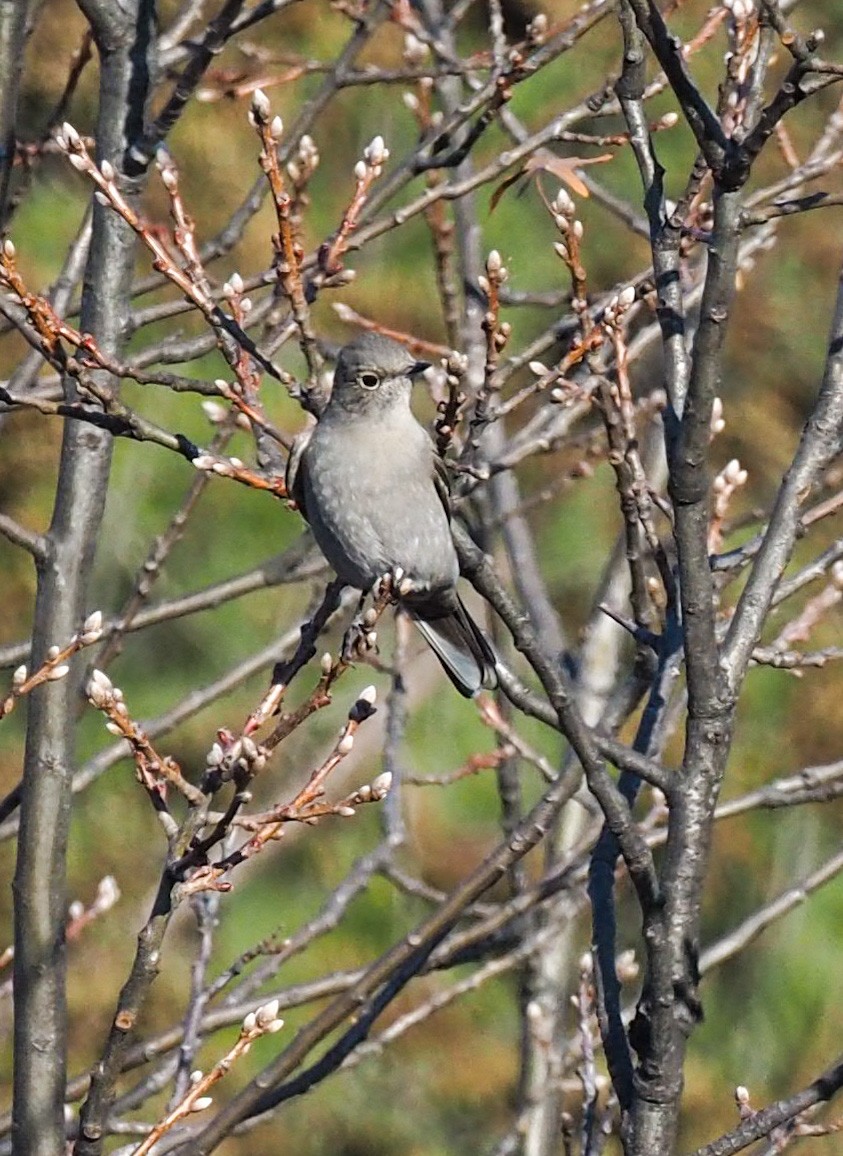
769,1023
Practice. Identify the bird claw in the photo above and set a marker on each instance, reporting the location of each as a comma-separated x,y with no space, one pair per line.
358,641
394,583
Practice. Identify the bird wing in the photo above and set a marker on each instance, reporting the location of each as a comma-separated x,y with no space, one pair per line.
442,483
294,475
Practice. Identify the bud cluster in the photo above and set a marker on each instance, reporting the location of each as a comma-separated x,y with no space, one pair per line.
264,1020
375,155
618,305
55,666
564,217
260,115
105,696
243,754
302,167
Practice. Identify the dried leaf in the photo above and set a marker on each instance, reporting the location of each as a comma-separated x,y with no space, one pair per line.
501,189
543,160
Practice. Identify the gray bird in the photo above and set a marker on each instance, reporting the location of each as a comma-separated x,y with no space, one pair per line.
367,479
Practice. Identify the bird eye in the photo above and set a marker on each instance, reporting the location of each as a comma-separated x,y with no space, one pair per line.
369,380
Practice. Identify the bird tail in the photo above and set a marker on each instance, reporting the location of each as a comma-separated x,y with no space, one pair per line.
460,645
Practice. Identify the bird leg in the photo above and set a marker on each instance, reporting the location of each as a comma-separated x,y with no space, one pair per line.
360,640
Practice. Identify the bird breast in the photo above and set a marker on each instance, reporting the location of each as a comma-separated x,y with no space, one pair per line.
372,503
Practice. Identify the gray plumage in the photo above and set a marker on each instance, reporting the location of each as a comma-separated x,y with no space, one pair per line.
370,484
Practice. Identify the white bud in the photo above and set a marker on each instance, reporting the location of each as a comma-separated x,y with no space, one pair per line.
249,1021
215,755
54,652
344,277
113,728
537,28
99,689
93,623
196,1076
382,784
266,1013
76,910
19,677
203,462
58,672
70,135
108,892
101,199
276,128
102,680
79,162
360,170
563,203
411,101
538,368
561,250
376,152
368,694
169,179
493,261
734,474
107,170
415,50
201,1103
534,1010
214,412
9,248
345,744
326,662
345,811
626,296
260,104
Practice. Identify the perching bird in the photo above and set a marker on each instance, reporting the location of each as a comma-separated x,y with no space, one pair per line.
370,484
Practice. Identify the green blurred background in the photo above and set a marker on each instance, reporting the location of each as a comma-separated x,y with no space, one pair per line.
773,1016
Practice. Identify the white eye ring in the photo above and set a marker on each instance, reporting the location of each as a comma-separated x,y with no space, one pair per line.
369,380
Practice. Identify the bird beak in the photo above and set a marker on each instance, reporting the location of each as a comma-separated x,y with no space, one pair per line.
419,367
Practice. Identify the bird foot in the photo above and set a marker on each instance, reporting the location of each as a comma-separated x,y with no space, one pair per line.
396,583
360,640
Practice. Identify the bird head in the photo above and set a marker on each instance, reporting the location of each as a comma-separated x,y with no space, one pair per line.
374,372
